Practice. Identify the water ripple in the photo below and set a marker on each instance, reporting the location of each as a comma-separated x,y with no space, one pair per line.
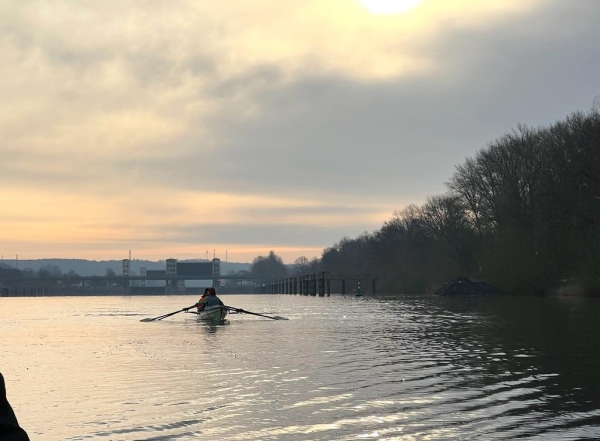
342,368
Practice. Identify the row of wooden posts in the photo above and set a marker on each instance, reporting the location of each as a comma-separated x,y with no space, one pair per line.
312,284
27,291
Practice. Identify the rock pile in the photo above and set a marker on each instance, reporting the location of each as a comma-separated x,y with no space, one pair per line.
462,286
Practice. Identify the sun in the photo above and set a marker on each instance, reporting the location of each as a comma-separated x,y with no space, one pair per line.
390,6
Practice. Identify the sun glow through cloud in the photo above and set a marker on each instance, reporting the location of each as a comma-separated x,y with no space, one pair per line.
390,6
120,131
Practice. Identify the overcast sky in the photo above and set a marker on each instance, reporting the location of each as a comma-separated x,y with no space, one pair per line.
175,128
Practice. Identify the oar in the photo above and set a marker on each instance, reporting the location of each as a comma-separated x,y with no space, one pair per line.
231,308
160,317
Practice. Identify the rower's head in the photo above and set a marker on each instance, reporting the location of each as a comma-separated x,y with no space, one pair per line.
212,292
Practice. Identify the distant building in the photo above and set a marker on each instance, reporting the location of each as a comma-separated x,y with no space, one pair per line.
126,270
216,267
171,274
158,278
193,274
126,267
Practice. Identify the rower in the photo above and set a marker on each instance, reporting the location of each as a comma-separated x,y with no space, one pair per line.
201,299
210,299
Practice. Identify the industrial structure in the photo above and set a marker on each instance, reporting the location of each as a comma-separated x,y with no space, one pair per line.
176,276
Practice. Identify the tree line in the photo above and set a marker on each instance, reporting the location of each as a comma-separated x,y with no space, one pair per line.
522,213
44,272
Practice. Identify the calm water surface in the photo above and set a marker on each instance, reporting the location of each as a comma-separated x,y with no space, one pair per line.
342,368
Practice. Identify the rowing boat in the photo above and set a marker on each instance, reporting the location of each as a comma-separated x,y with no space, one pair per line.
216,313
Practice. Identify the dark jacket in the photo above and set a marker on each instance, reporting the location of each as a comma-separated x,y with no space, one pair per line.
9,426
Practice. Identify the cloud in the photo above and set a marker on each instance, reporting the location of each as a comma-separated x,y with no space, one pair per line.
400,138
279,119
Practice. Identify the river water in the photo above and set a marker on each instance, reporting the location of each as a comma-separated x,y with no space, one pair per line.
341,368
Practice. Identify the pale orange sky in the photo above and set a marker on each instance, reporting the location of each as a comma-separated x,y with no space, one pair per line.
170,128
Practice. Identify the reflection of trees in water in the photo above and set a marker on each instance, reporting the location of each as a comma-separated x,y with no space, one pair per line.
546,348
530,360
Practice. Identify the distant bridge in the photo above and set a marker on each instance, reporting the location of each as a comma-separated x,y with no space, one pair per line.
124,279
306,284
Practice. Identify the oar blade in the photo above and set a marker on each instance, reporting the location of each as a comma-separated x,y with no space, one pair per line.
160,317
243,311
